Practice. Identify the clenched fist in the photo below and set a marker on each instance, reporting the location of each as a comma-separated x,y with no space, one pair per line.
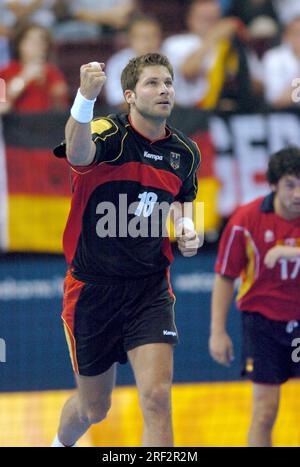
92,79
188,242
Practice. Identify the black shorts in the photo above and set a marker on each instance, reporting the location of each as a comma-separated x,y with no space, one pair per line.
269,353
102,323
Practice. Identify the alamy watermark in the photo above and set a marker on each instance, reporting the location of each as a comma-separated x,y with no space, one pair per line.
146,217
2,351
296,352
296,91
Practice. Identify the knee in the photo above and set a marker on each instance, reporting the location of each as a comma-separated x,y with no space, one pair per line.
96,412
156,400
265,413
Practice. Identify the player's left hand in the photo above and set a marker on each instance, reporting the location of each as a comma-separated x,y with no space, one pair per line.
188,242
273,256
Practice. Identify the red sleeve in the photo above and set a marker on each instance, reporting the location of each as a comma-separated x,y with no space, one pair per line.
232,256
54,75
10,71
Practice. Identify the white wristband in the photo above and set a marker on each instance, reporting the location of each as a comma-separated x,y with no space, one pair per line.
185,222
82,108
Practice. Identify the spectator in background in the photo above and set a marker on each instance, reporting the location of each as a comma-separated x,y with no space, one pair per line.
207,58
281,65
287,10
89,18
13,11
263,32
248,10
225,5
35,11
144,36
4,37
33,84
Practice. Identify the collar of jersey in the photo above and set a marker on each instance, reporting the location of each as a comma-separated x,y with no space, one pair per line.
168,133
267,204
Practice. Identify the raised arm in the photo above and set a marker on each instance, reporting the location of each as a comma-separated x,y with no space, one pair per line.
195,62
80,148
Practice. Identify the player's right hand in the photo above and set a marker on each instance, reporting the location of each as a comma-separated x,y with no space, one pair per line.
92,79
221,348
223,30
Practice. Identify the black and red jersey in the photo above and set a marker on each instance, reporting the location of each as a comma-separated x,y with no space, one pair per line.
249,235
119,194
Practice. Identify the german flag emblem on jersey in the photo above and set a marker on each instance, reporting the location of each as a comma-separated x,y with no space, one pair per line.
175,160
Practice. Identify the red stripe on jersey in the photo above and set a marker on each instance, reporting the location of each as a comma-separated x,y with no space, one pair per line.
170,290
86,183
133,171
72,289
167,250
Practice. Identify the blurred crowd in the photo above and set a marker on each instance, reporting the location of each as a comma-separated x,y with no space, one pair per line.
227,54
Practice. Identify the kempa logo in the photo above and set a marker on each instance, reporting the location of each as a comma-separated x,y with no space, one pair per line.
2,351
152,156
169,333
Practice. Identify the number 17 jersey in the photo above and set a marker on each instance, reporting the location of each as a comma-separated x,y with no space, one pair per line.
248,236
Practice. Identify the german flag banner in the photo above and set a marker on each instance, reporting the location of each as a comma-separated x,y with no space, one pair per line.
35,186
37,201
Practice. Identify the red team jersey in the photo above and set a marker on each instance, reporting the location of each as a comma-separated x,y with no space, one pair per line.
251,232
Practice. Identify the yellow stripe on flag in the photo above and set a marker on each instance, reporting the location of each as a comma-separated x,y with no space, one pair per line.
208,191
36,223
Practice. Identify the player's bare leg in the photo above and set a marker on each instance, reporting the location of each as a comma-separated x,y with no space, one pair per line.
265,408
89,405
153,368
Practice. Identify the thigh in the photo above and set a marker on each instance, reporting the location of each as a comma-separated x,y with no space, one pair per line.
152,365
93,390
265,359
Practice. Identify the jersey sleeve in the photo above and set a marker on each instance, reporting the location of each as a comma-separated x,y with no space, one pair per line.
189,189
108,140
232,251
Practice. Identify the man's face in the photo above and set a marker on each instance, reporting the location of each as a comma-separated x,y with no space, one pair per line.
34,45
203,18
288,196
154,94
145,37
